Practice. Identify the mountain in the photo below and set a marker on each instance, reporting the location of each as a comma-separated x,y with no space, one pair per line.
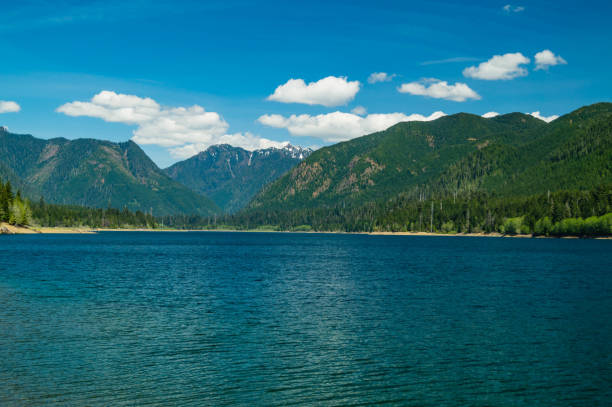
94,173
512,154
231,176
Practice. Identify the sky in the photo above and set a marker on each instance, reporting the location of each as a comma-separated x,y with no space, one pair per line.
179,76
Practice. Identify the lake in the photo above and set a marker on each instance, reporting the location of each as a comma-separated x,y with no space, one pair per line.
214,318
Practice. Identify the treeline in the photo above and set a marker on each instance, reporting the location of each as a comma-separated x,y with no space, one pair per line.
591,226
542,214
577,213
13,208
561,213
19,211
51,215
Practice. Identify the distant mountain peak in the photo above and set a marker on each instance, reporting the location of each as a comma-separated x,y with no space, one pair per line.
231,176
296,152
225,146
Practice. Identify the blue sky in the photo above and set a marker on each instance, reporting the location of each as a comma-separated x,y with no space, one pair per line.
228,57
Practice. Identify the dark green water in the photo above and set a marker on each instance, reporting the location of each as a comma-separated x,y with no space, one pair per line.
303,319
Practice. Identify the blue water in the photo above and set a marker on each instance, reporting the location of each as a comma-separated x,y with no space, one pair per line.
247,319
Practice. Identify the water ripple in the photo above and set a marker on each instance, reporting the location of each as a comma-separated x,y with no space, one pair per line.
190,319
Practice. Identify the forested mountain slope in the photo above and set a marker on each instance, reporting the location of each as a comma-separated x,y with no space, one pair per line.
94,173
513,154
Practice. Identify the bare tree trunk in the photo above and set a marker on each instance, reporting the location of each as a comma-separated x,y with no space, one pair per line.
431,218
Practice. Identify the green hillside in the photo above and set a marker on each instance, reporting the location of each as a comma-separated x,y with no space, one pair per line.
94,173
572,152
513,154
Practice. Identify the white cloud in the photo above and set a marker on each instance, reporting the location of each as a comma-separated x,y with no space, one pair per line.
180,129
507,66
359,110
247,141
164,126
546,58
380,77
547,119
340,126
330,91
7,106
509,8
459,92
181,125
488,115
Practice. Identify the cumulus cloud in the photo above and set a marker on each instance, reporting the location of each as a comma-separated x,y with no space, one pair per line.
164,126
380,77
180,129
360,110
7,106
247,141
488,115
507,66
547,58
329,92
340,126
547,119
509,8
459,92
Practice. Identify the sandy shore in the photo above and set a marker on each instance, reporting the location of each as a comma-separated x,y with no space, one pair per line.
495,234
8,229
5,228
144,230
65,230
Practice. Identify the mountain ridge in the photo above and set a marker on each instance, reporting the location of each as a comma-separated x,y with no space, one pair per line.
96,173
509,153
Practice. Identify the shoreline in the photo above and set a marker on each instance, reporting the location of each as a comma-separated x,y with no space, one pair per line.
8,229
